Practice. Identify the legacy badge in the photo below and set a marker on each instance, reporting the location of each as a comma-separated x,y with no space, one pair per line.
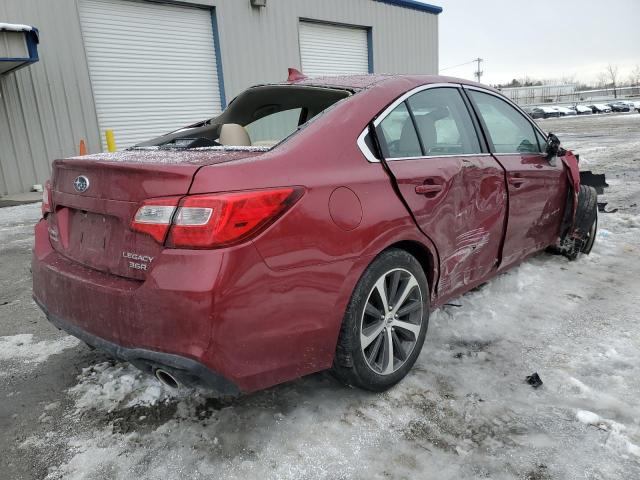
142,262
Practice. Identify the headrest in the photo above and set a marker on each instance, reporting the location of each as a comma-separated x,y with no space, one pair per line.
234,134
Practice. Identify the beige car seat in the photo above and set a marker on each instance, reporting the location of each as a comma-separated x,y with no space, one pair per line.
234,134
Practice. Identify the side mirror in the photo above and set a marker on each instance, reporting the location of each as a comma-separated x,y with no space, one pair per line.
553,146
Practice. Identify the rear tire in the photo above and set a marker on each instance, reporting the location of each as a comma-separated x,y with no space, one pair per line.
379,342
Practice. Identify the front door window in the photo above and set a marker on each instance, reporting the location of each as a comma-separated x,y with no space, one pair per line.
509,130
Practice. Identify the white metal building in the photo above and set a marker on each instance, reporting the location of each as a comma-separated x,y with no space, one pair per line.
142,68
539,94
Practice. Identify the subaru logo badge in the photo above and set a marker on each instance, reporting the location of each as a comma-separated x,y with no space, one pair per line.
81,184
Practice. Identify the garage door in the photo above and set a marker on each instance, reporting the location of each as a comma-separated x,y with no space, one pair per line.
152,66
333,50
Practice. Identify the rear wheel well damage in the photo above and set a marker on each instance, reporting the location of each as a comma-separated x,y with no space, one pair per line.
424,256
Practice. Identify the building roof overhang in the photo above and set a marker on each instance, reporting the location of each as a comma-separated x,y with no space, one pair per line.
415,5
21,46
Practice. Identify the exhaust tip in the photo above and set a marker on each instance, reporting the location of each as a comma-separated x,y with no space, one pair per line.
167,379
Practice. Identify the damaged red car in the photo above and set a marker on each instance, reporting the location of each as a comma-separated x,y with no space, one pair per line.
313,225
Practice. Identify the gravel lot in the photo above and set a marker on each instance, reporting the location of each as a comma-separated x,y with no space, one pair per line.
464,413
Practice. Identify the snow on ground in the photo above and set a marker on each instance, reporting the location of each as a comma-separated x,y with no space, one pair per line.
613,140
107,387
21,353
465,412
22,348
16,225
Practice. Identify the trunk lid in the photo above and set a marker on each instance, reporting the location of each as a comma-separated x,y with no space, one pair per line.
91,218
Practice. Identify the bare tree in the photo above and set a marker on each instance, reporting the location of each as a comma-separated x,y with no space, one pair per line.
612,74
602,80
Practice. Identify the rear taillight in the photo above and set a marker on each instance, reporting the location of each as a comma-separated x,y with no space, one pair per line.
212,220
46,198
154,217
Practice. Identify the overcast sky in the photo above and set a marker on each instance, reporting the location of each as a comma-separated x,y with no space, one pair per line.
539,38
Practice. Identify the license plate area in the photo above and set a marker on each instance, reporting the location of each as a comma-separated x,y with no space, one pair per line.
102,242
91,231
92,237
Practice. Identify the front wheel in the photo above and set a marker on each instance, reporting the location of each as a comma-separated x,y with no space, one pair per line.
385,324
591,236
585,224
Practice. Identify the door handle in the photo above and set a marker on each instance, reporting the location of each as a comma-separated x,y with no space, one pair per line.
428,189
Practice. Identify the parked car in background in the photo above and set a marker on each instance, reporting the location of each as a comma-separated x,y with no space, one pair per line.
582,109
600,108
564,111
312,225
628,103
546,112
619,107
534,113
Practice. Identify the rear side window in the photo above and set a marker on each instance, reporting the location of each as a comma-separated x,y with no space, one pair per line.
443,122
509,130
397,134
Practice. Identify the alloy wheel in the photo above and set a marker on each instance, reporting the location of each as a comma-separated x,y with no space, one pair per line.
391,321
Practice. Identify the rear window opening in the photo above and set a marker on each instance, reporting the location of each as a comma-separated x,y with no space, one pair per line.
258,119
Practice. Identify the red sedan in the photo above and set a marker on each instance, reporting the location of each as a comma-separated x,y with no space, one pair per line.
314,224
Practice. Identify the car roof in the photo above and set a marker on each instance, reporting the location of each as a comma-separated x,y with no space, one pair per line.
362,82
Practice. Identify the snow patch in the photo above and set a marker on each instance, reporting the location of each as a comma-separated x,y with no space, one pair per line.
234,148
213,148
15,27
200,156
617,440
108,387
588,418
22,347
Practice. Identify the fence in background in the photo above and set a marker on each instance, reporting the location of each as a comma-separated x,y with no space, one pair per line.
567,93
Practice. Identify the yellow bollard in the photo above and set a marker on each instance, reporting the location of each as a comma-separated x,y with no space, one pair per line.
111,140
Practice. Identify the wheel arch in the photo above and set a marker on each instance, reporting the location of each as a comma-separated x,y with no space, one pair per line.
403,236
351,363
425,257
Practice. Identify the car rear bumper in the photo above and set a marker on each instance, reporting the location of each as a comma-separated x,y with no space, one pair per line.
170,311
185,370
